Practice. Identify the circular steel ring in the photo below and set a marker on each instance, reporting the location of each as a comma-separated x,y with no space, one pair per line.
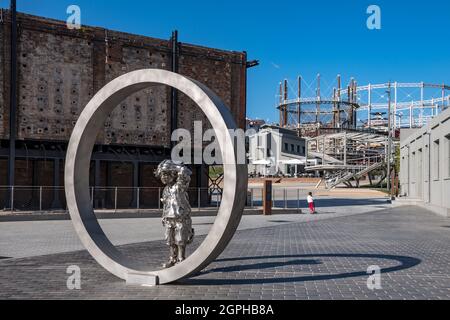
78,160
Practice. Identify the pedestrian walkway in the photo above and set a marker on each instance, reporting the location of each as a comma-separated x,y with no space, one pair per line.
23,239
320,259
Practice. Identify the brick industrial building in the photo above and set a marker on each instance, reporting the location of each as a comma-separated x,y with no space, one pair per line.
59,70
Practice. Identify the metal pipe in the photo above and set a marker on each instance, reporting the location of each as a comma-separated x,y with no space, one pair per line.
429,166
138,198
339,99
199,199
13,96
369,116
395,102
115,199
389,140
281,103
285,107
318,99
12,199
174,92
40,198
299,110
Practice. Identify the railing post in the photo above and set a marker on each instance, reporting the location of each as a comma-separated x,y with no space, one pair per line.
40,198
251,198
217,200
12,199
298,199
199,198
285,198
138,190
159,198
115,199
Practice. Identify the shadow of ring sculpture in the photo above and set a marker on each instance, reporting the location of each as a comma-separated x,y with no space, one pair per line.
78,159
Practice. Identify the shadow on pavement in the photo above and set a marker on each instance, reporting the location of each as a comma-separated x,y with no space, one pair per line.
338,202
264,265
325,202
405,263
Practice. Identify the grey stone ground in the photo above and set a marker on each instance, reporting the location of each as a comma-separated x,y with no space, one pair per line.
24,239
322,259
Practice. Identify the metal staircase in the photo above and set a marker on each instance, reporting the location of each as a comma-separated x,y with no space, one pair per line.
342,176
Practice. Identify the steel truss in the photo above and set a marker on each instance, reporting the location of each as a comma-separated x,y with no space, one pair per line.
413,105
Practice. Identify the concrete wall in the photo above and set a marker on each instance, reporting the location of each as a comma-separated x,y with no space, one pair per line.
425,164
59,70
271,147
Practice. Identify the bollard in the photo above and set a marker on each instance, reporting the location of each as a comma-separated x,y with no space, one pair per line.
267,197
285,199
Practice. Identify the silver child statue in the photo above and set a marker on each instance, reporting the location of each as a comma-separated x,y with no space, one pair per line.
177,210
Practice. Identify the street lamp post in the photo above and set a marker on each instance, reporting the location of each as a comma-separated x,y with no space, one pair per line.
389,146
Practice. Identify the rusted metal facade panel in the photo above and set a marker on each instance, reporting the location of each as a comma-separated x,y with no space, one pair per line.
55,83
60,70
2,83
143,118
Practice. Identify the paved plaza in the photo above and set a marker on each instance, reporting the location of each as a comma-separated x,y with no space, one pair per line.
311,259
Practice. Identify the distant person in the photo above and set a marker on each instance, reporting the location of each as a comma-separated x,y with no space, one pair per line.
312,207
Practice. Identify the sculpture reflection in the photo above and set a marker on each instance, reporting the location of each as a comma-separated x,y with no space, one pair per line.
176,216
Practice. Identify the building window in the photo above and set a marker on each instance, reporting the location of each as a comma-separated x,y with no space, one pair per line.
448,155
436,163
304,150
292,148
298,149
286,147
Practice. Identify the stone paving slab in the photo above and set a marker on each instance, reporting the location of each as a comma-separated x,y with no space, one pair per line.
33,238
319,260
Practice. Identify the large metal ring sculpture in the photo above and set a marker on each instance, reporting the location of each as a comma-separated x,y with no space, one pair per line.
78,159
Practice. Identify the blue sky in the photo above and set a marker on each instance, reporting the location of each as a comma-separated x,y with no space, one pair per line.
289,37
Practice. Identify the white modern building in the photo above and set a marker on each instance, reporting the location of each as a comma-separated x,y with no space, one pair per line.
425,165
274,150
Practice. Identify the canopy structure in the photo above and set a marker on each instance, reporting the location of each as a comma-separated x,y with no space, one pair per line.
261,162
293,161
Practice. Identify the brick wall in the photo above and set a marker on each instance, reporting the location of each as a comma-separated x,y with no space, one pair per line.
2,103
61,69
